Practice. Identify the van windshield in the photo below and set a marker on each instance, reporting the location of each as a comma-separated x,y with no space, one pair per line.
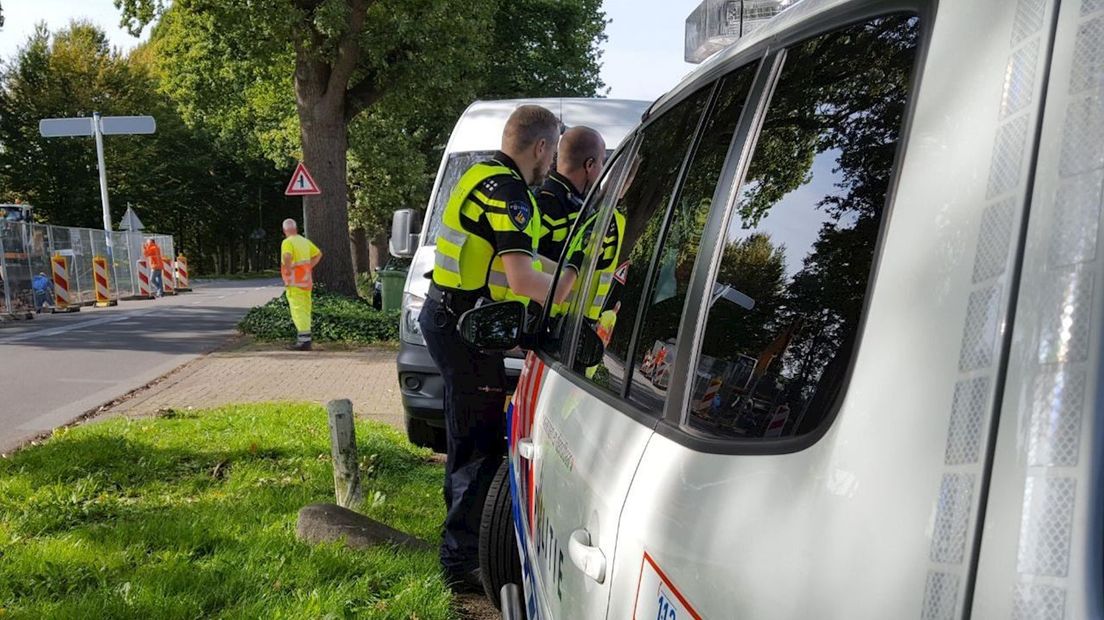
455,167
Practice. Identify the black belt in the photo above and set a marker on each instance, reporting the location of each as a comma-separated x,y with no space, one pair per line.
455,301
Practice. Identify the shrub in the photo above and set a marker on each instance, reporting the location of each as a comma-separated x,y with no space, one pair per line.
365,284
336,318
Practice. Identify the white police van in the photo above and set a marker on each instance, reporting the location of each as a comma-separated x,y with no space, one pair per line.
476,136
867,237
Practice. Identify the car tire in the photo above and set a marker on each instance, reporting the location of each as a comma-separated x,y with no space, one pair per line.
421,433
499,563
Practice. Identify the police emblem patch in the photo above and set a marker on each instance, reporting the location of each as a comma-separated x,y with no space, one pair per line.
520,212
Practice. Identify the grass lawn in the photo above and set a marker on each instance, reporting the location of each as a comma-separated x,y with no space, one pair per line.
192,515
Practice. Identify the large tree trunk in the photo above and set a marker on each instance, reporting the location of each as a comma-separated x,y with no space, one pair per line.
322,130
361,260
378,250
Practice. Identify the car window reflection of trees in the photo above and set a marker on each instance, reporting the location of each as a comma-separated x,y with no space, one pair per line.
839,103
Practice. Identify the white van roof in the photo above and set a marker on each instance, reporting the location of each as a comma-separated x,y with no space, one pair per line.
480,126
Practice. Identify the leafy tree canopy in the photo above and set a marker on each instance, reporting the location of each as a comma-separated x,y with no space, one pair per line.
377,83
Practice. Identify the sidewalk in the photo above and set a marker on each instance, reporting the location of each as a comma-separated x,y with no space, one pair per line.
248,372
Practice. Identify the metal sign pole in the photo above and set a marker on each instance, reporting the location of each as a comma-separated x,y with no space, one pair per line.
97,130
98,126
4,279
305,234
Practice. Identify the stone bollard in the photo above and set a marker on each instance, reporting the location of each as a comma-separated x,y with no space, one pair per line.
343,448
322,523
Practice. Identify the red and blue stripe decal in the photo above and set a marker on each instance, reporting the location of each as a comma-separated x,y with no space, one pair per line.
519,419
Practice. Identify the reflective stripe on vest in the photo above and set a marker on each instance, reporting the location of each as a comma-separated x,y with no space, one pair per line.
499,285
611,251
603,281
466,261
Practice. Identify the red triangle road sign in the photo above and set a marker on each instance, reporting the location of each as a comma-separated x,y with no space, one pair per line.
302,184
622,272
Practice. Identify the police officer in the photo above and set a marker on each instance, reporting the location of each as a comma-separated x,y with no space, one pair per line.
581,158
486,250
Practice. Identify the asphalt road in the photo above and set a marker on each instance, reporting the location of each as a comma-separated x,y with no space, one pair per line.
57,367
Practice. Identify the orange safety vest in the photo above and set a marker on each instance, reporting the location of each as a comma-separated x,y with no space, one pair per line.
299,275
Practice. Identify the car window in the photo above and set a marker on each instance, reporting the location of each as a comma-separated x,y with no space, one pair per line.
455,167
787,299
580,253
656,348
630,240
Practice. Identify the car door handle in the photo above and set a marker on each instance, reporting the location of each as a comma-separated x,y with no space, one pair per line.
588,559
526,448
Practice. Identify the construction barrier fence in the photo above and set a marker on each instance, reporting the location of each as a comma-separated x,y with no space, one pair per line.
28,251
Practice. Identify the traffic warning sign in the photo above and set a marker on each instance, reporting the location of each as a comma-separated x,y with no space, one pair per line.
622,272
301,183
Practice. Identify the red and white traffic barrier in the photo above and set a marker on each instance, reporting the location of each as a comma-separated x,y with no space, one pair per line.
168,285
103,282
706,402
145,291
777,421
182,274
59,271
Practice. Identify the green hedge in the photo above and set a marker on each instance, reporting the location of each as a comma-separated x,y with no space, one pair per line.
336,318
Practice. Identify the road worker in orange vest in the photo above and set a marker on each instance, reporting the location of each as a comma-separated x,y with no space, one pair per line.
152,252
298,258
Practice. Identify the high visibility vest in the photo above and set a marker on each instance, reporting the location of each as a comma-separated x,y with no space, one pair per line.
466,261
603,277
555,230
299,273
610,255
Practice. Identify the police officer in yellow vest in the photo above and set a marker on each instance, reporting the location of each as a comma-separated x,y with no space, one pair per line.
579,164
486,251
298,258
600,302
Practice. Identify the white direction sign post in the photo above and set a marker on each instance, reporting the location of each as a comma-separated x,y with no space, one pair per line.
98,126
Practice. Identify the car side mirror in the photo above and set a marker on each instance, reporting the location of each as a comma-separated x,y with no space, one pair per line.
494,327
403,243
591,349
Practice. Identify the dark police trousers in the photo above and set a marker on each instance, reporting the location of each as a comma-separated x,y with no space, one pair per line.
475,399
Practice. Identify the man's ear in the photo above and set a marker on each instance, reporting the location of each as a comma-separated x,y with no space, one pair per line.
538,148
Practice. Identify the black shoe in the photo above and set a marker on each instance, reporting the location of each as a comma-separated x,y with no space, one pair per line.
300,346
465,583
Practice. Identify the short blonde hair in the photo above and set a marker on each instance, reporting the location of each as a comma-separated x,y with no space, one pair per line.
527,125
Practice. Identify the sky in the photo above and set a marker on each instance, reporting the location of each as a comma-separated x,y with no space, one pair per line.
642,59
